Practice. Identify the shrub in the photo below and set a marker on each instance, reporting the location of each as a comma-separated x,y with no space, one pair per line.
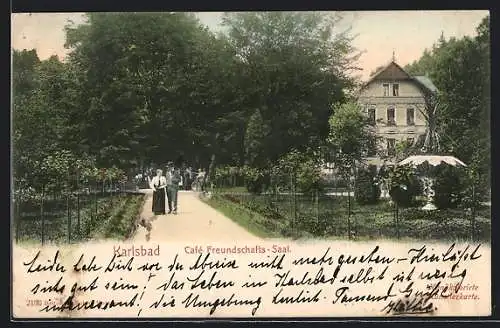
403,185
227,175
366,190
303,166
448,187
255,179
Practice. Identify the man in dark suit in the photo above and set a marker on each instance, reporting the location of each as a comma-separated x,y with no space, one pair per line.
174,180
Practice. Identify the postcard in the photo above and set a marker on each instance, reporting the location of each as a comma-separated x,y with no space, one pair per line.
251,165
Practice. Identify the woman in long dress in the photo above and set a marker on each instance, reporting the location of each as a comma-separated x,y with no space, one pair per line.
158,184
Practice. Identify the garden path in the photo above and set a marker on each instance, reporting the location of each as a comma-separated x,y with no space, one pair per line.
195,222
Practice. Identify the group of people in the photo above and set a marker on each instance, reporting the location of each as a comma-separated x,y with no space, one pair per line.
166,187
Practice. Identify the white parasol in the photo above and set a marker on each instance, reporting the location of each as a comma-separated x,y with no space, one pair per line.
428,183
433,160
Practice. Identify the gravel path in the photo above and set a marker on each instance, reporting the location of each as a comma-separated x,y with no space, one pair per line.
194,222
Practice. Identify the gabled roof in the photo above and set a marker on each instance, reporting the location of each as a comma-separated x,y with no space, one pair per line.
426,82
392,71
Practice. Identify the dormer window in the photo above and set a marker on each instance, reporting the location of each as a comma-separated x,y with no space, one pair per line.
386,89
395,90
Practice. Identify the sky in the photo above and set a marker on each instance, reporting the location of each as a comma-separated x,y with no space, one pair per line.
378,34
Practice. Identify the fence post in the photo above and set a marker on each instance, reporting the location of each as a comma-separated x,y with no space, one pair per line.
42,216
17,218
396,213
78,211
473,214
78,201
294,200
317,206
94,210
95,202
68,208
349,209
290,197
275,189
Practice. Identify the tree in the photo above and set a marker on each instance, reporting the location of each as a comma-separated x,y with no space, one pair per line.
256,132
460,69
405,148
160,76
350,137
23,75
143,88
423,66
430,113
40,115
367,190
298,171
350,132
293,67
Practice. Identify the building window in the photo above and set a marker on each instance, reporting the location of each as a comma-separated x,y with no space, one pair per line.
386,90
410,116
371,116
372,148
395,90
391,120
391,147
410,141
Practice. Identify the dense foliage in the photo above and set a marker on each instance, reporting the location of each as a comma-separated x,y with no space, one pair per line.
139,89
328,218
367,189
298,170
449,186
263,102
403,184
460,69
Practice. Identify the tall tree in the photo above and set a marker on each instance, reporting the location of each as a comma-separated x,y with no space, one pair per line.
351,135
40,117
24,63
295,67
460,69
256,132
153,82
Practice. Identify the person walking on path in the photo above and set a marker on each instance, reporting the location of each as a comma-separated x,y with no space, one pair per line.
199,180
174,180
187,178
158,184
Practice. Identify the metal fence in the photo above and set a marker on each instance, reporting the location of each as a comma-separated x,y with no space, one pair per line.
334,212
65,216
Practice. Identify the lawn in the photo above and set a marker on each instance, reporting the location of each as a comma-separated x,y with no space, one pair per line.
327,217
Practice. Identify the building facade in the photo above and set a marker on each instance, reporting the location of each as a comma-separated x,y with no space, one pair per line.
394,101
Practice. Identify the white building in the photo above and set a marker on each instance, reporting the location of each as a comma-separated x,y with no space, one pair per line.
394,101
